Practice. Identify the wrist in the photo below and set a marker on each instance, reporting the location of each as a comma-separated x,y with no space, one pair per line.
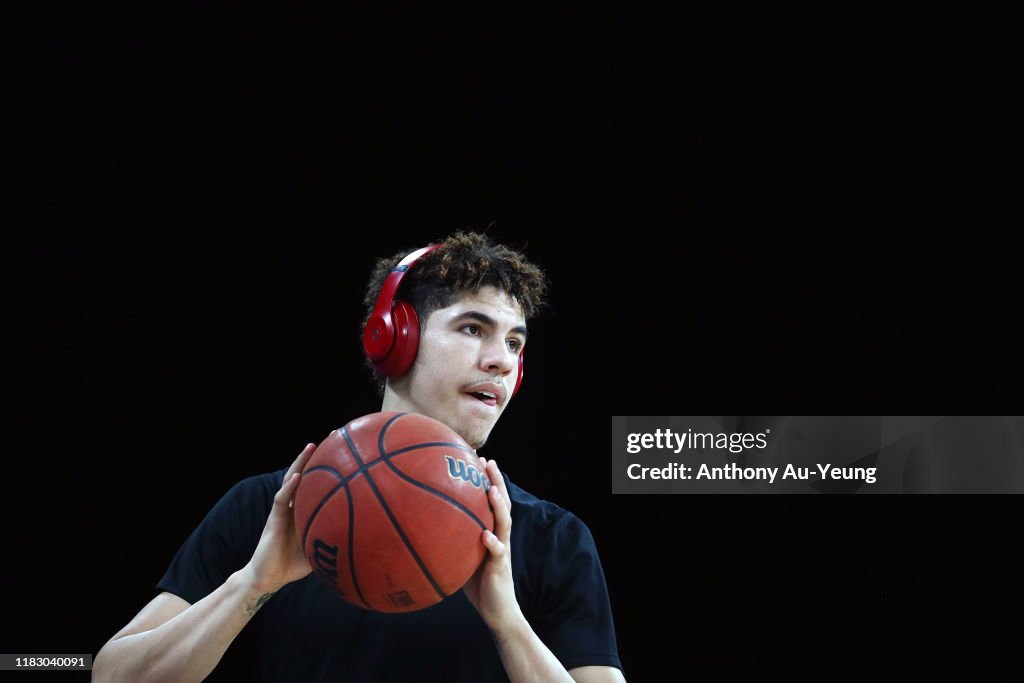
247,580
512,629
252,594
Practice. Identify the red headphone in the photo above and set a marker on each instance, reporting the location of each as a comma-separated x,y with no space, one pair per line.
392,333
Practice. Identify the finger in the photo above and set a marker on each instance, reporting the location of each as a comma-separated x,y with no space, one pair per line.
494,474
493,544
287,491
300,462
502,516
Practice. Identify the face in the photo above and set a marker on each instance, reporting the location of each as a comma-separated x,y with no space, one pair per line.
466,365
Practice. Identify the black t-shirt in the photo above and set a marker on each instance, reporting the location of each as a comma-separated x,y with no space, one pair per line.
306,632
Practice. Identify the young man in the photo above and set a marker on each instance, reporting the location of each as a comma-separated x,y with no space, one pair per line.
445,333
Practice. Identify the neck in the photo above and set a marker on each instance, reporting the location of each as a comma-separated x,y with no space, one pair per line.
393,401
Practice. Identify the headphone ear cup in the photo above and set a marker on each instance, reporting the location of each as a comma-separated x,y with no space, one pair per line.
519,377
407,339
377,339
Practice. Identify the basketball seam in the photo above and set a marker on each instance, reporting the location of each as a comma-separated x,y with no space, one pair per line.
386,457
343,484
363,467
323,501
328,468
387,509
448,499
429,444
352,549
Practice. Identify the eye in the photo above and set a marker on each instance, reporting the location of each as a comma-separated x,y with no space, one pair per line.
472,329
515,345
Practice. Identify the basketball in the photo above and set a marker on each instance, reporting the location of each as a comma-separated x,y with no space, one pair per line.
390,509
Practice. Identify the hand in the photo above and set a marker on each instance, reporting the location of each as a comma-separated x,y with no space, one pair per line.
278,559
491,589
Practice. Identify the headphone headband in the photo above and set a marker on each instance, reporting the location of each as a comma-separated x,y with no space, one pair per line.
390,287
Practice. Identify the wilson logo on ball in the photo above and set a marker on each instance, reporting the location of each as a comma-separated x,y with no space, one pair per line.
325,560
458,469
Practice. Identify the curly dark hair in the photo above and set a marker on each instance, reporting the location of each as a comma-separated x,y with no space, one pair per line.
464,261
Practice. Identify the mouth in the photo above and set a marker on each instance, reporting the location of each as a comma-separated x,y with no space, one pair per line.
485,398
489,394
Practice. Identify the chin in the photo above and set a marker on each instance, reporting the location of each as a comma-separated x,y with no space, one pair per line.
473,430
476,438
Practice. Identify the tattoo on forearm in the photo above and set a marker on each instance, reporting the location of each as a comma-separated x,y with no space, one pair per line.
260,601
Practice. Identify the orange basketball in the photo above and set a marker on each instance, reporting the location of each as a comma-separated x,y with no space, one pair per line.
390,509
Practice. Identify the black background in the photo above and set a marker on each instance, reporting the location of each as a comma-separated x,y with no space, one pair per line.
743,211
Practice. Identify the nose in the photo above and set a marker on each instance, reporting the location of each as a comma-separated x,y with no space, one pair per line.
496,358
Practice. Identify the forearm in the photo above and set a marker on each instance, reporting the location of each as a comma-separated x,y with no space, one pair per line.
188,646
526,658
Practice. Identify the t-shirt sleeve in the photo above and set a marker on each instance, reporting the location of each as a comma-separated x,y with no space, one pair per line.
224,541
573,612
